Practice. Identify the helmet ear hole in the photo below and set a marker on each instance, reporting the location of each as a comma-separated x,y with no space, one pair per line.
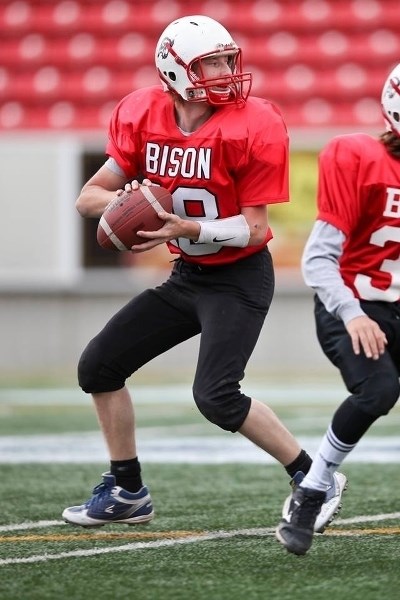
396,117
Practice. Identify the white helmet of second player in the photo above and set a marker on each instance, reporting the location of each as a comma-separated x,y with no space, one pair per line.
181,46
391,101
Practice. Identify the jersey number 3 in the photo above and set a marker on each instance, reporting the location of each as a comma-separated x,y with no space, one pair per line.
363,283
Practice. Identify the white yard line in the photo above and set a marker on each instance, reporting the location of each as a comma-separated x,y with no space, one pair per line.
178,394
263,531
136,546
88,447
30,525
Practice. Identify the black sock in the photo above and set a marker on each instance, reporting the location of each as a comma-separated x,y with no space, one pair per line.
127,474
302,463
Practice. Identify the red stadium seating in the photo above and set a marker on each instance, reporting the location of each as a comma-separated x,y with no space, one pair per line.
65,64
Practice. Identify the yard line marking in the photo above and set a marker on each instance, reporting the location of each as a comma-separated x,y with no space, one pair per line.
198,537
171,535
31,525
367,518
177,393
349,521
137,546
189,449
355,532
103,536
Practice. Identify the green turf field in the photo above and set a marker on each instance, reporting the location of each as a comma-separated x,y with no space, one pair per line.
212,537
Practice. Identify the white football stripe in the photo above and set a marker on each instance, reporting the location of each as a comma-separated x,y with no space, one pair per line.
151,199
105,226
115,240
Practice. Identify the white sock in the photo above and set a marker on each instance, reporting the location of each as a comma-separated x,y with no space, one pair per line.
330,455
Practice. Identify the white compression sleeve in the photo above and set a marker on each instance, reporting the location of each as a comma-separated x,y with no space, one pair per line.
232,231
320,267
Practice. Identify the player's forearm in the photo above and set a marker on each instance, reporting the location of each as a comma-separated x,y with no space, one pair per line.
98,192
232,231
93,200
246,229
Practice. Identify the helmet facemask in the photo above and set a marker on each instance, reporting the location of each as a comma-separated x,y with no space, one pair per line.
232,88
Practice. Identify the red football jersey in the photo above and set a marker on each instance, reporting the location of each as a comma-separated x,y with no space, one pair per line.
359,193
239,157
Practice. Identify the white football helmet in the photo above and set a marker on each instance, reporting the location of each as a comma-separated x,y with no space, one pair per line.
391,101
187,40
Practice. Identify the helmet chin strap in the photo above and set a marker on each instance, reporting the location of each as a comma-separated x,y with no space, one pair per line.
220,96
212,96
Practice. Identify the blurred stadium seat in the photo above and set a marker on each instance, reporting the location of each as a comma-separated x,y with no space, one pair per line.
65,64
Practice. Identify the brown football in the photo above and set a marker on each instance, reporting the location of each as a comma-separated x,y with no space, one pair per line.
132,212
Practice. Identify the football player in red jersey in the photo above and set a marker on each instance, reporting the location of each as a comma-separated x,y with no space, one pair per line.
352,261
224,157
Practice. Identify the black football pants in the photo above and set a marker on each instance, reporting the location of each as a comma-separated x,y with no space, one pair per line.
373,384
227,305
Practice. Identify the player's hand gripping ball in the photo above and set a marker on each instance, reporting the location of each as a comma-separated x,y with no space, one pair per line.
132,212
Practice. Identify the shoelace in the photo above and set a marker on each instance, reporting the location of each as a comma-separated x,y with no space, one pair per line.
97,493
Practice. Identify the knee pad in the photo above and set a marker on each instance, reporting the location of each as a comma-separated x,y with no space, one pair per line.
377,394
226,410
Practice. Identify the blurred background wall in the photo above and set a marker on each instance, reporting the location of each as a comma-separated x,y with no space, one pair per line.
63,67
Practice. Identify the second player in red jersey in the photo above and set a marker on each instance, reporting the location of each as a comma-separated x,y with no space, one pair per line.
352,261
359,193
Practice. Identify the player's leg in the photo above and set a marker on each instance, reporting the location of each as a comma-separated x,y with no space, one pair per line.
143,329
230,329
116,418
263,427
231,320
374,390
373,386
